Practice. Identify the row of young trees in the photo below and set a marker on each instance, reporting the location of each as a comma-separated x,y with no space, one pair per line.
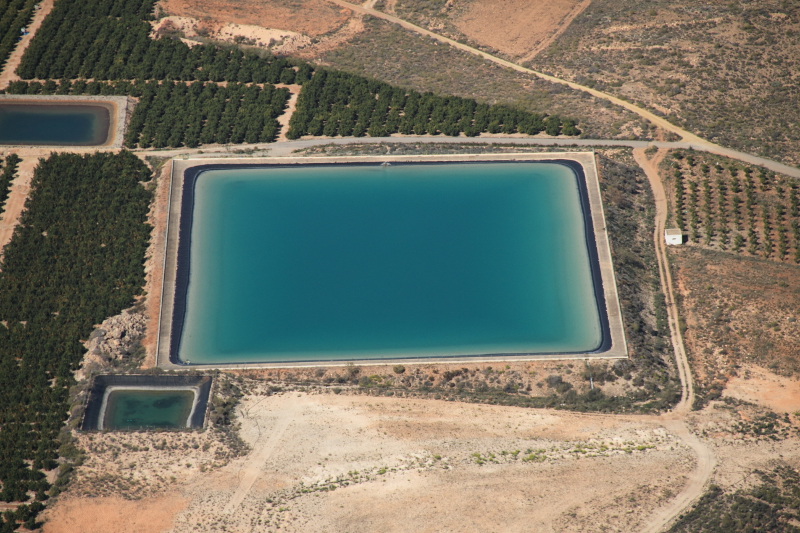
338,103
730,208
9,169
75,258
179,114
14,15
110,40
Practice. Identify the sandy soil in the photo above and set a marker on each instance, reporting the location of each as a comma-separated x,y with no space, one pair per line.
326,462
291,105
759,386
195,31
8,74
102,515
322,462
309,17
154,264
518,28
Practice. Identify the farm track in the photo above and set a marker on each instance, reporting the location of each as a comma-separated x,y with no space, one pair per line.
673,421
693,140
705,457
9,69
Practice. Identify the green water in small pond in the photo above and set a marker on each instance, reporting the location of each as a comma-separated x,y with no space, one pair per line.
130,409
342,262
53,124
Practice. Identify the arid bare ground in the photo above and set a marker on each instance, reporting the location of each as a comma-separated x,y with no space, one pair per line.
101,515
520,29
327,462
359,463
154,265
310,17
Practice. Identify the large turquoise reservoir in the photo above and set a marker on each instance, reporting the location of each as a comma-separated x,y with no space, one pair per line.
53,124
342,262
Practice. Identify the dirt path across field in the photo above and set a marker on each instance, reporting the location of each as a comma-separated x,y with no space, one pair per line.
16,199
650,167
705,458
291,105
520,29
264,446
9,69
694,141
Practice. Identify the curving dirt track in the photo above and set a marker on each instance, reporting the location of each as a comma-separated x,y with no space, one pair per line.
675,420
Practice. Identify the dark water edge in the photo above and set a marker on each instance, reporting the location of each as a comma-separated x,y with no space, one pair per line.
188,201
159,409
51,124
97,389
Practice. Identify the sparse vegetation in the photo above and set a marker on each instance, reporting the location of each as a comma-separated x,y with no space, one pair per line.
771,506
725,71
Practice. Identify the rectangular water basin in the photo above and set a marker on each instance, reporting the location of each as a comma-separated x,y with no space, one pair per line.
342,262
54,124
147,402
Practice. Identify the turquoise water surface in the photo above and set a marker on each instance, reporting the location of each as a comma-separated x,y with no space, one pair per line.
53,124
131,409
348,262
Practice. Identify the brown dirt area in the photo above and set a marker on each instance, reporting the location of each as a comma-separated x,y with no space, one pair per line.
310,17
361,463
518,28
154,264
355,462
756,385
740,311
102,515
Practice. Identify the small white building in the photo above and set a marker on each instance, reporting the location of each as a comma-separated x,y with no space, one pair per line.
673,236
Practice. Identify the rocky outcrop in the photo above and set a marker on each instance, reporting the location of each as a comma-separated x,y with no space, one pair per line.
116,338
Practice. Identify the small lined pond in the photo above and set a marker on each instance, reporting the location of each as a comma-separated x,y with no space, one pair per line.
133,409
54,124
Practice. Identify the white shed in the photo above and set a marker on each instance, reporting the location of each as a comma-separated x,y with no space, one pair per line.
673,236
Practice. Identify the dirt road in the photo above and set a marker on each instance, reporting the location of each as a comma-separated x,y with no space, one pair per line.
658,121
16,199
674,421
8,74
286,148
693,140
650,167
264,446
696,482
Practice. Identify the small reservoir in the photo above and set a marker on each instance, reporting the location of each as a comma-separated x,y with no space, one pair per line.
54,123
137,408
368,261
146,402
